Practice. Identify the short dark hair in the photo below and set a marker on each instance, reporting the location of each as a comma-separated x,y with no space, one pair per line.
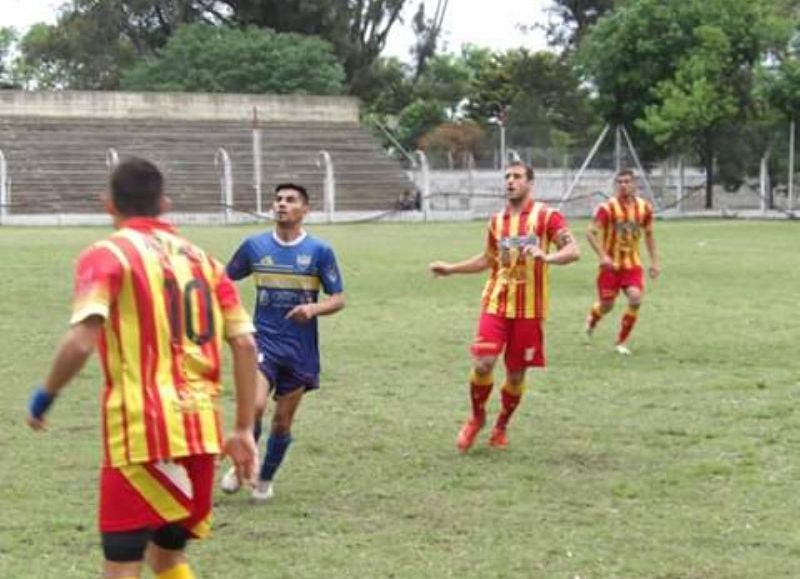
137,187
528,169
299,188
624,171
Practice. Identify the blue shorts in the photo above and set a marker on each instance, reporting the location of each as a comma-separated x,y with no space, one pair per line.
285,378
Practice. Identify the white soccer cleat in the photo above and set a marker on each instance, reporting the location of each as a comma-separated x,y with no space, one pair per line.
263,490
230,482
623,350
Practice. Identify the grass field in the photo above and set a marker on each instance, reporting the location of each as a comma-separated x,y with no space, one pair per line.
678,462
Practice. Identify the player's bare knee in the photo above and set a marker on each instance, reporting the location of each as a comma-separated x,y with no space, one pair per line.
484,366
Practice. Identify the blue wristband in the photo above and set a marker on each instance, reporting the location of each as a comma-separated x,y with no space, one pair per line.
40,401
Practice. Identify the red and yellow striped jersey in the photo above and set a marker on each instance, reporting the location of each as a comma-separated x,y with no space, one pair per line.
166,307
518,285
621,225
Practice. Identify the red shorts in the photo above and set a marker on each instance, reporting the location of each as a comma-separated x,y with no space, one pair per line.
150,495
522,339
610,281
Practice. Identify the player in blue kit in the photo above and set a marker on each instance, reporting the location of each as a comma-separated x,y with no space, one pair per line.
290,268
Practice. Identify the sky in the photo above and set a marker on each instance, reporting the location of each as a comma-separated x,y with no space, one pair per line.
489,23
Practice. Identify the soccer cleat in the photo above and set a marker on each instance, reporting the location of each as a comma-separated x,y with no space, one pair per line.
498,438
230,482
263,490
468,433
623,350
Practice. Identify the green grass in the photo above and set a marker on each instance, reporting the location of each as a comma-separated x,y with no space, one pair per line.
680,462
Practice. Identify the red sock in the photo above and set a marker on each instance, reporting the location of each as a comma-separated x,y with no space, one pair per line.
594,315
480,387
510,401
628,321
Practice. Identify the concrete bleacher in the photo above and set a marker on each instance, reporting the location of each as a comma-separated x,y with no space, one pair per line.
57,163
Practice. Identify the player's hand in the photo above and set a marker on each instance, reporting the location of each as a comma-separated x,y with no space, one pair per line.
606,262
302,313
654,270
439,268
241,448
534,251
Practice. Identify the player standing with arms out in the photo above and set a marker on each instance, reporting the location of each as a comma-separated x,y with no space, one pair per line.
158,308
515,298
614,234
290,268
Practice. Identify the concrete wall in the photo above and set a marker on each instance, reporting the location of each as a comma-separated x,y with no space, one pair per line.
178,106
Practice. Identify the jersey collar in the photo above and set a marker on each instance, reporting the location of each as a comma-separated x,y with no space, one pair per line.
147,224
292,243
527,207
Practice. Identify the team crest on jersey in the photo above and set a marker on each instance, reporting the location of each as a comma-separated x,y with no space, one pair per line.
507,243
627,227
331,274
303,260
266,260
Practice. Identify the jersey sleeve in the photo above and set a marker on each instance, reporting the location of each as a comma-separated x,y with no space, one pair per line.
647,220
236,320
600,216
329,273
98,278
556,224
490,250
241,264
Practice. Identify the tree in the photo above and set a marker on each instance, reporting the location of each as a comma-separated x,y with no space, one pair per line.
446,80
532,91
573,19
357,29
8,37
418,119
681,70
427,32
459,140
207,58
94,41
391,89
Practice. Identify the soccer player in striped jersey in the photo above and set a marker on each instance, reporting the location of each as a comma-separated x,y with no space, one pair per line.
157,308
614,234
515,298
289,268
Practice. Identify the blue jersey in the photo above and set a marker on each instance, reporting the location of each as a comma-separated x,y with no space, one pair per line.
287,275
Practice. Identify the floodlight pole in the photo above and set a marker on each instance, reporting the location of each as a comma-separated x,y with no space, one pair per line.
426,183
763,182
225,182
257,161
112,158
792,131
4,191
328,186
